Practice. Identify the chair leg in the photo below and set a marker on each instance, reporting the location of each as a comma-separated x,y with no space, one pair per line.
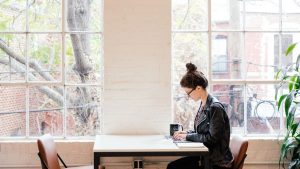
62,161
238,166
44,166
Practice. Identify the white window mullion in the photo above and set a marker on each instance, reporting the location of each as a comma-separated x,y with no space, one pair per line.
63,68
100,114
209,41
245,110
26,71
281,124
244,67
27,112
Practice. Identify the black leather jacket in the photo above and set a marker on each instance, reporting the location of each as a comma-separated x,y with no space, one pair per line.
212,128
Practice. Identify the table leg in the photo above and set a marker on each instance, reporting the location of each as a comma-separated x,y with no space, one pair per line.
96,160
206,162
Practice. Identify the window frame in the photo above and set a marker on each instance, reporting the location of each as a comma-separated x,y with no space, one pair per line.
243,81
64,32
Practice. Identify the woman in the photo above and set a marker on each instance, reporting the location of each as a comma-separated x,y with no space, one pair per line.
211,125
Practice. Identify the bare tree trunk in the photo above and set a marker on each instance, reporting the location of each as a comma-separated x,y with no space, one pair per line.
78,18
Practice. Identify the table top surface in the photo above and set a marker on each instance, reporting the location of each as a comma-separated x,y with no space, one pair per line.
139,143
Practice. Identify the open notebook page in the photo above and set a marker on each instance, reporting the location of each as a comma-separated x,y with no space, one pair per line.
189,145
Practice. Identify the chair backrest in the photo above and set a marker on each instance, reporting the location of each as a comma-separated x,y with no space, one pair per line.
47,151
238,146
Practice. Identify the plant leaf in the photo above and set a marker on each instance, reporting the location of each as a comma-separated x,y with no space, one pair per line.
297,62
283,151
294,128
294,163
297,83
278,73
290,118
290,49
297,137
294,82
282,97
287,103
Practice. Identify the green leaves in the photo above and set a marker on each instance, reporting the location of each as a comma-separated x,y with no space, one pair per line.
286,147
297,63
298,139
290,49
277,74
282,97
294,128
287,104
290,147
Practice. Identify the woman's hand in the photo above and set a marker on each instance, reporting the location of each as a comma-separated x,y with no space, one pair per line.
180,135
180,132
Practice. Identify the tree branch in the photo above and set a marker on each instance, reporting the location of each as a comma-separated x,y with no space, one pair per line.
55,96
32,63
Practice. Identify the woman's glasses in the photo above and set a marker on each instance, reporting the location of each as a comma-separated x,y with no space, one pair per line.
190,92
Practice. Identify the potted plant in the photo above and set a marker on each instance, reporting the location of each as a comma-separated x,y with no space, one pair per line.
289,100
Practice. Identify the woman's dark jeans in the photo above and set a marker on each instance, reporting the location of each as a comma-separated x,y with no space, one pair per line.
191,162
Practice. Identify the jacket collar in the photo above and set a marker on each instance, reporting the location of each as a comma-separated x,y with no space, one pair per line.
209,101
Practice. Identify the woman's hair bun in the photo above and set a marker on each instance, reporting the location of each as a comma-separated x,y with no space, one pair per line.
191,67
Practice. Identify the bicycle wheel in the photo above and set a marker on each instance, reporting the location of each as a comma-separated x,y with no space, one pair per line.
265,110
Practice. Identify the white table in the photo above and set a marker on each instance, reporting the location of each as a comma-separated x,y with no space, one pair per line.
141,145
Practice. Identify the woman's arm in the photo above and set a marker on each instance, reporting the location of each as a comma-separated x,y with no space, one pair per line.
216,127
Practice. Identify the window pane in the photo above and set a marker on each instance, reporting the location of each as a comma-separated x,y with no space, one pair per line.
189,47
261,52
262,15
46,107
185,109
12,112
83,104
232,97
254,54
262,113
12,15
12,57
46,13
291,15
83,55
44,53
45,57
189,14
84,15
288,39
227,14
96,15
227,55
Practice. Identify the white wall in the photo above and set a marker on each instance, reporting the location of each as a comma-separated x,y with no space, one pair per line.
137,66
137,97
262,154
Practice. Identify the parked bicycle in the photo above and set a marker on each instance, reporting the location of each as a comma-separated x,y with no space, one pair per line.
265,110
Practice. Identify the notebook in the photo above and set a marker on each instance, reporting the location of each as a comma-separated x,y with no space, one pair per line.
189,145
181,141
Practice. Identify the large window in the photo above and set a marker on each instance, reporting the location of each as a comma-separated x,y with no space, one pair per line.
50,67
239,45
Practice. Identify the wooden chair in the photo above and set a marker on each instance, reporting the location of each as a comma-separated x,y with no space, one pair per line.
49,156
238,146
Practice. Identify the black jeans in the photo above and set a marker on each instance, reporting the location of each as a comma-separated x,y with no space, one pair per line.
191,162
